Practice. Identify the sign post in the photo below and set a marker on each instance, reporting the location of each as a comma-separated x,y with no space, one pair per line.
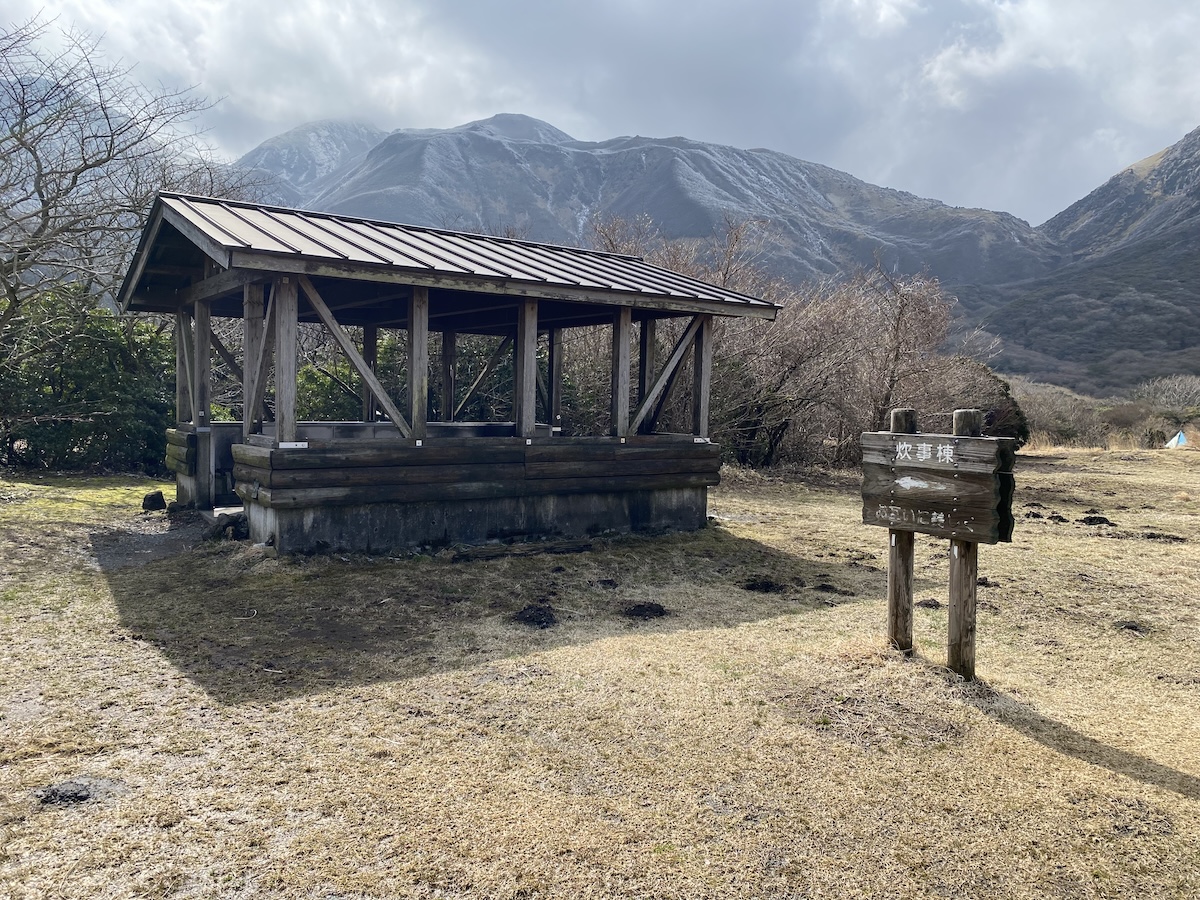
957,486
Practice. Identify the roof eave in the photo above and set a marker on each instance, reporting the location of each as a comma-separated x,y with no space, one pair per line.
390,274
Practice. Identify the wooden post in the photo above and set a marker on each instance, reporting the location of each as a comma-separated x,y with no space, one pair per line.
900,561
964,574
556,377
525,372
449,372
371,358
647,363
202,362
183,393
702,377
900,590
621,334
202,404
253,333
284,308
960,639
418,361
968,422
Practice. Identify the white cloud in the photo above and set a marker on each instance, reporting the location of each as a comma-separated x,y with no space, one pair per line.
1022,105
1141,60
874,17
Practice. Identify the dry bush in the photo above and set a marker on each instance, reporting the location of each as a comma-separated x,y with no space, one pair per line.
1059,417
840,355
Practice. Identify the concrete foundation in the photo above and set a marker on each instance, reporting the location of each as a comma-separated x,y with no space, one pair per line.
385,527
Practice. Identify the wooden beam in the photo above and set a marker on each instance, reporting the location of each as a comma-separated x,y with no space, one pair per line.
226,282
284,304
556,377
210,248
261,367
449,373
489,367
251,259
140,260
371,358
418,361
352,354
253,334
702,377
524,374
543,389
202,404
189,356
650,407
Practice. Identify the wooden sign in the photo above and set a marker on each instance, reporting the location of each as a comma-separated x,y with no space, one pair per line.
958,486
949,486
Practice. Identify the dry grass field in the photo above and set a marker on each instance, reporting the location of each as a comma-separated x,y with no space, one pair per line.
250,727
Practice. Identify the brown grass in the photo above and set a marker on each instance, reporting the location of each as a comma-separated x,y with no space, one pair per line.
368,728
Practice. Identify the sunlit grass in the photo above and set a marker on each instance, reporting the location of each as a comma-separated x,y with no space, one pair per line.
366,727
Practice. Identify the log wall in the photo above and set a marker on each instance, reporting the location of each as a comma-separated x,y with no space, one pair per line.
378,495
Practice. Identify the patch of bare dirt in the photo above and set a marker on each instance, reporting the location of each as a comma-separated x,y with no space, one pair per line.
146,538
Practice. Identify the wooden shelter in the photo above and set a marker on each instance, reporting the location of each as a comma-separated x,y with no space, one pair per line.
395,479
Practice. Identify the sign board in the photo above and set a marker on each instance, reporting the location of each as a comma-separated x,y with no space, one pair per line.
944,485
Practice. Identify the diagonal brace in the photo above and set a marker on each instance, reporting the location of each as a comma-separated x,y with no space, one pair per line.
657,392
352,354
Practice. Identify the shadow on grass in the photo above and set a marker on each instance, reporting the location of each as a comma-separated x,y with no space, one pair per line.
248,629
1066,740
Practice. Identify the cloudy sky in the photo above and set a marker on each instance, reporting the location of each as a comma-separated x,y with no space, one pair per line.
1020,105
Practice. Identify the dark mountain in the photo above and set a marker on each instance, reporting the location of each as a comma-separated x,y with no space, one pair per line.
1125,304
1101,296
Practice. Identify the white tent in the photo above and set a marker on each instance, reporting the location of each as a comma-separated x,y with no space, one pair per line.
1178,441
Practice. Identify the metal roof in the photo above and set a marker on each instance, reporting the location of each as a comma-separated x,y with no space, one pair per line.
251,236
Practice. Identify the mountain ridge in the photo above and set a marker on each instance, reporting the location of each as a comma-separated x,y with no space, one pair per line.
1102,258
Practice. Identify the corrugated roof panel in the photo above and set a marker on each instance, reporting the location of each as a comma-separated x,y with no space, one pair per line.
283,228
557,265
258,228
583,269
521,258
630,275
405,243
469,254
188,210
334,246
368,244
236,226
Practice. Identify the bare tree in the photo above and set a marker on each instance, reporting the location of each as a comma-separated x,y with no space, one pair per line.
83,148
1176,398
841,353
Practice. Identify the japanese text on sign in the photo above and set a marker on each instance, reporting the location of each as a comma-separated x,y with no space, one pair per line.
919,452
901,515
